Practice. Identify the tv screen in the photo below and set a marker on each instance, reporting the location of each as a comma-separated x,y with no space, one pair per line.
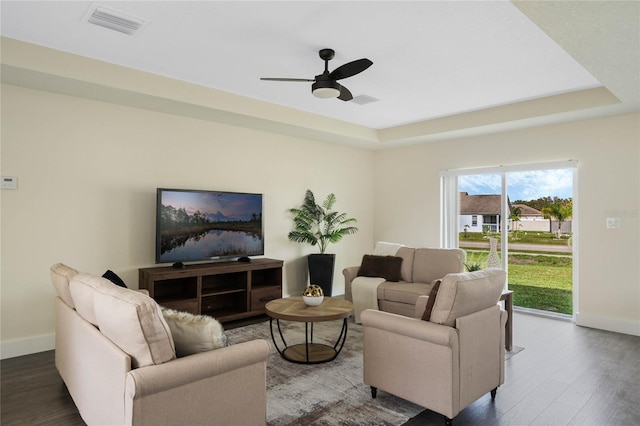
194,225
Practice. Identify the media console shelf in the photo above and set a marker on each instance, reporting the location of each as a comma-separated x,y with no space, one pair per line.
227,291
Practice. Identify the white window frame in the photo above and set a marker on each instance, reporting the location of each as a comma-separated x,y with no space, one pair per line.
449,207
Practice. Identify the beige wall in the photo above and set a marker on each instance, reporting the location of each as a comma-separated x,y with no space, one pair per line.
87,174
608,153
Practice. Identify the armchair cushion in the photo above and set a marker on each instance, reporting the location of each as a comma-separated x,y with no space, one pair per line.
406,271
402,292
432,263
387,267
463,293
194,333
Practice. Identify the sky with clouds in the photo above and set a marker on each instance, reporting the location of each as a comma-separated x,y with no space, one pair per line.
529,185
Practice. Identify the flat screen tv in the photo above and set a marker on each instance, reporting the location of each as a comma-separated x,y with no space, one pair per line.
195,225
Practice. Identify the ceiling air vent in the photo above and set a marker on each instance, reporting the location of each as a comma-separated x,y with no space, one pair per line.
364,99
115,20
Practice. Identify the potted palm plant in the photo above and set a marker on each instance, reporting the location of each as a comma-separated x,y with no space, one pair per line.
317,225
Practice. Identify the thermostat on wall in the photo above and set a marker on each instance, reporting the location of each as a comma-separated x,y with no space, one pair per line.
9,182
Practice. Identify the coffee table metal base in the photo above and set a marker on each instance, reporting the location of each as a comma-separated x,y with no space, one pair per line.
308,352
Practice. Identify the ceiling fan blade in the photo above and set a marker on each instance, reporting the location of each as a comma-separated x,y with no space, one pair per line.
350,69
345,94
285,79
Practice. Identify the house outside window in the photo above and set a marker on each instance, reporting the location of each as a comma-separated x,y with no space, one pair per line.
479,213
490,222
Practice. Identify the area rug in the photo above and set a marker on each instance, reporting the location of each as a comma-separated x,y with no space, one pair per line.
329,394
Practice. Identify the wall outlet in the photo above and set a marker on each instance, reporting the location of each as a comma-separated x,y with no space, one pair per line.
9,182
613,222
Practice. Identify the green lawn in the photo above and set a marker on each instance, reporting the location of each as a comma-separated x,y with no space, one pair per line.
538,281
544,299
541,282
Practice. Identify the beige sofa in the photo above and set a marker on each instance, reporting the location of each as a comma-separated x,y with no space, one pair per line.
116,355
447,362
420,268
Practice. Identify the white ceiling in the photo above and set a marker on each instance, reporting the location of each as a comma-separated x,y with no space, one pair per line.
431,59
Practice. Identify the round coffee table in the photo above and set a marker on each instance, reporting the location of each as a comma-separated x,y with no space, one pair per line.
294,309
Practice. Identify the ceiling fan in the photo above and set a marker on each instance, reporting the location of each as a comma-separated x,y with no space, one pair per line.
326,85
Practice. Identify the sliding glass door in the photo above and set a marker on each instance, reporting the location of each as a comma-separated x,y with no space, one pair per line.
527,214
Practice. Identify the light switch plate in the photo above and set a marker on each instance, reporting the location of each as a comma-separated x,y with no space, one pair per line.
613,222
9,182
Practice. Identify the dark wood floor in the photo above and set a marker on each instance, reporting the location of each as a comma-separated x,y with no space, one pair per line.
32,393
566,375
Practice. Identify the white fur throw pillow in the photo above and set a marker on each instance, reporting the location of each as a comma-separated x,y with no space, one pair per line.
194,333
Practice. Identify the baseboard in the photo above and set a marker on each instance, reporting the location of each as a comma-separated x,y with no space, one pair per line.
609,324
26,346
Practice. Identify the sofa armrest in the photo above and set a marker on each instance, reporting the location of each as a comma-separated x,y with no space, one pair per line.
350,273
182,371
410,327
217,382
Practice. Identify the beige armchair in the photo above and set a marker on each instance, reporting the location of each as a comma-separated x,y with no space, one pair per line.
446,363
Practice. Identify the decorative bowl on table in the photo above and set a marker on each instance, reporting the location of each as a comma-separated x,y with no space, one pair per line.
313,295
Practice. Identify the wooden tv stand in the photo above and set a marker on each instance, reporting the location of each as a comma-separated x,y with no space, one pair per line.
227,291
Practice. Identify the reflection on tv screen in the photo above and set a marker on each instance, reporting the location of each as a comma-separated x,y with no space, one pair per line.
197,225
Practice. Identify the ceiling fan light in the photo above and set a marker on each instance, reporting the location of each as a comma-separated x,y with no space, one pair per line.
325,89
326,92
